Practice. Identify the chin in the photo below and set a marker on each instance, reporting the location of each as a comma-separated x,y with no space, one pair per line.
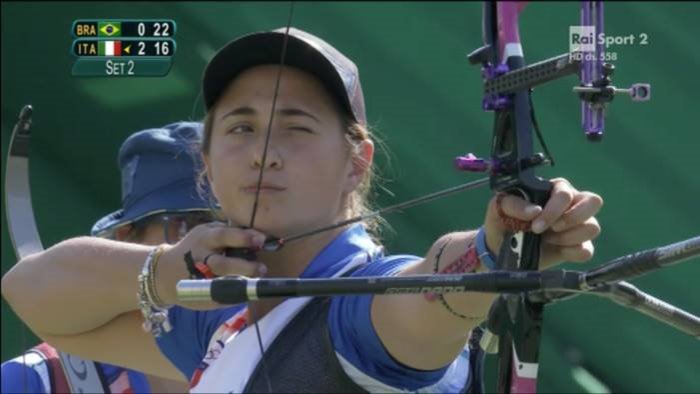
275,229
275,221
269,227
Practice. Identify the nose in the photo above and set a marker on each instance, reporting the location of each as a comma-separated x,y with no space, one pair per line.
270,156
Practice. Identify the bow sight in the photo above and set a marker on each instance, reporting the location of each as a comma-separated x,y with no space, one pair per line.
595,88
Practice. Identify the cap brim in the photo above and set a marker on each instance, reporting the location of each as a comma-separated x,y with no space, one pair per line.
266,48
178,197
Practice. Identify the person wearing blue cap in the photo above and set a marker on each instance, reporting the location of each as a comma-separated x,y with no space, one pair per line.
160,203
159,172
287,149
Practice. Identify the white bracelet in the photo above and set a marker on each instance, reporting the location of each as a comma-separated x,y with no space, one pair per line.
154,311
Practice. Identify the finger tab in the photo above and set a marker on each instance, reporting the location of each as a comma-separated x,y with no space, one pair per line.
241,253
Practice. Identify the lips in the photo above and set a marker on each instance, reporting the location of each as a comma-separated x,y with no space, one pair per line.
264,188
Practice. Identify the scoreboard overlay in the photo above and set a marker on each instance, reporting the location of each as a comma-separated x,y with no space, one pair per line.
123,47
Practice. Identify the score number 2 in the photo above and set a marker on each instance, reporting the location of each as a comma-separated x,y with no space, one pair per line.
162,48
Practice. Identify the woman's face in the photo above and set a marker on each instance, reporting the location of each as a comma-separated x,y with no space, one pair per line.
308,170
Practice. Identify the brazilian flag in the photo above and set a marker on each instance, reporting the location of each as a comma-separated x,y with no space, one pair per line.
109,29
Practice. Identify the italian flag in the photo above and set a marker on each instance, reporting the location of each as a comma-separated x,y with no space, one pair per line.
110,48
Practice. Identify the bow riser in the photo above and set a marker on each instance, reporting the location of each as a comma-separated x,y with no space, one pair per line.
516,321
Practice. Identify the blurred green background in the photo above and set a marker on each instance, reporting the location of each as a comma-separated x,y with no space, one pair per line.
424,99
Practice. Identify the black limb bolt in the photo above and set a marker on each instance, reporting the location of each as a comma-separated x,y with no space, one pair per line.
594,137
608,69
481,55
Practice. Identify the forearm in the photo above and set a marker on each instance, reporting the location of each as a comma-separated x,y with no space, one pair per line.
76,285
420,330
449,255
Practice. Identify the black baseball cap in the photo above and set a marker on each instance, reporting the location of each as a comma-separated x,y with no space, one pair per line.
305,51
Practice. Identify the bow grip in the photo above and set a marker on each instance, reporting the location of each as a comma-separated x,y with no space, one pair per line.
522,250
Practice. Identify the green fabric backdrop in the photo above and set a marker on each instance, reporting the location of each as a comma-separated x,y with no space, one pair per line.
424,99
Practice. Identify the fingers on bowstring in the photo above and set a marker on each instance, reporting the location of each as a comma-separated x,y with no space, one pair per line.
223,266
219,236
222,236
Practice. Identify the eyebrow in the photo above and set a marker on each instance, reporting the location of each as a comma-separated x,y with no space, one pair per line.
281,111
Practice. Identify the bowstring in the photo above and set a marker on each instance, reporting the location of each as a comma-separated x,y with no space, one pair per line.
260,177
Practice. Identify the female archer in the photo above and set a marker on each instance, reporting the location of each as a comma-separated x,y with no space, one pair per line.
316,170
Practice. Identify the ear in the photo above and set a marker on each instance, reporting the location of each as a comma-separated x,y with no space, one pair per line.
360,162
122,232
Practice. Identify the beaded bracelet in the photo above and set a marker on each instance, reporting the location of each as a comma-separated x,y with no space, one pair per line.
468,262
151,288
153,309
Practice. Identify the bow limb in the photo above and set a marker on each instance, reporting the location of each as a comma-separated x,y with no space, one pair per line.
18,202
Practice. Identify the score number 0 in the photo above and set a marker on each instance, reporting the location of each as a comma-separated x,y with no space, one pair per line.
160,29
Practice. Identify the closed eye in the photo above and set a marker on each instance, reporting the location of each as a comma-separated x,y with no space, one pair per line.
300,128
240,129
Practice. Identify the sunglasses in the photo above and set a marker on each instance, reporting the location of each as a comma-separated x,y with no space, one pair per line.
176,225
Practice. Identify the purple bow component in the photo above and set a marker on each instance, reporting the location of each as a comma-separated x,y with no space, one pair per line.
595,89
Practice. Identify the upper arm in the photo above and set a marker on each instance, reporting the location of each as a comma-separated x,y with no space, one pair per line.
365,355
120,342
